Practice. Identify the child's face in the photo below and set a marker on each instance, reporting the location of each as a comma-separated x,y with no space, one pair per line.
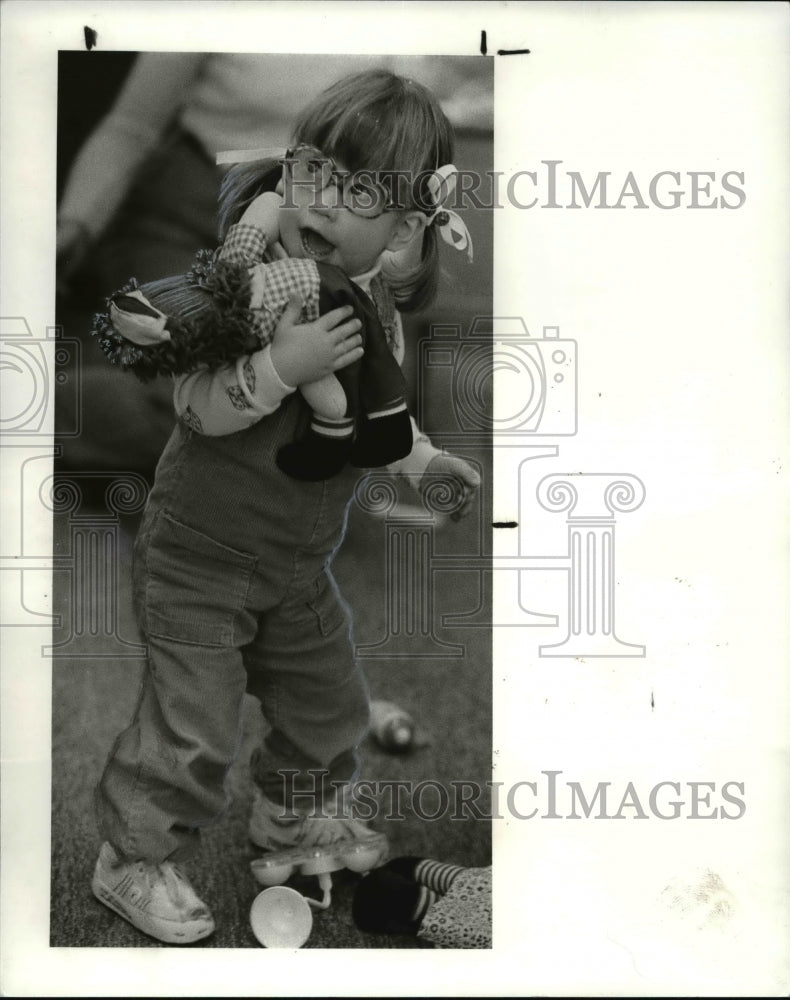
316,225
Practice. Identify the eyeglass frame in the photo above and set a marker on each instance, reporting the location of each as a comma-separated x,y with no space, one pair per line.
290,159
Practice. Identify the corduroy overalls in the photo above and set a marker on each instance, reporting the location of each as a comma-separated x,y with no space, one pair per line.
233,593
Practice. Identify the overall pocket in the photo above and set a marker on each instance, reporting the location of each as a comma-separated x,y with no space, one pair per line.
326,606
195,587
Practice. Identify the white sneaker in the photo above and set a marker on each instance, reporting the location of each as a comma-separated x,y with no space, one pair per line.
311,845
271,830
156,899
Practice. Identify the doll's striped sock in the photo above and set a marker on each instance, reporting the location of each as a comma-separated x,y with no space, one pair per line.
436,875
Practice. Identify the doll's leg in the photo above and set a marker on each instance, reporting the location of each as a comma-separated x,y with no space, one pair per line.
375,392
386,902
326,447
445,904
326,398
384,431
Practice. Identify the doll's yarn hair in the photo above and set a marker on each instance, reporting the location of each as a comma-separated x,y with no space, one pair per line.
209,321
373,121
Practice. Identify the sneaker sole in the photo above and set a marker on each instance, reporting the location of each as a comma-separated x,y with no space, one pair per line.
169,933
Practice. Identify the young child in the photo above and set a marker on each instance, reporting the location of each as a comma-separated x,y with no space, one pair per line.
223,310
232,584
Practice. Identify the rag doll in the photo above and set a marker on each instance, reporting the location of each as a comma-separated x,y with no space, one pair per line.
220,311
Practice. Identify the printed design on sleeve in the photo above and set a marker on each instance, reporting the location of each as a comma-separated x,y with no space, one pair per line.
237,397
249,377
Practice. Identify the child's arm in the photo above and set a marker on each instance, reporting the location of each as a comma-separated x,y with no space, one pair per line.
238,395
425,462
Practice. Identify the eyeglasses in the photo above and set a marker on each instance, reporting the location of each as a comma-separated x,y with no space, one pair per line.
361,192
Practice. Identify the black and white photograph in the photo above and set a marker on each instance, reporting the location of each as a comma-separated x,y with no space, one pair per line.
303,587
394,452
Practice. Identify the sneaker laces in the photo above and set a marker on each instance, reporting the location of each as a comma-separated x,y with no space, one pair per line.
319,831
175,883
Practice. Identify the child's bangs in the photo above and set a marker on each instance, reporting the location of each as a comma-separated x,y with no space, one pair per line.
381,125
367,143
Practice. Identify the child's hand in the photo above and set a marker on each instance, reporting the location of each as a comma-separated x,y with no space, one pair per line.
264,213
463,477
303,353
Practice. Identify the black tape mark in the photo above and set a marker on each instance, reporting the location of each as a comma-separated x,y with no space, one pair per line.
512,52
483,46
504,524
91,37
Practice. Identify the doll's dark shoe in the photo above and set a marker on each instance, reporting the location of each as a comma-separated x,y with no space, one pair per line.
321,454
382,437
388,902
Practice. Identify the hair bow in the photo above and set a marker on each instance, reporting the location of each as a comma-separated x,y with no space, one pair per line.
452,227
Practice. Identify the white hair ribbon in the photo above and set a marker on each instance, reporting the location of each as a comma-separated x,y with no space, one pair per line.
452,227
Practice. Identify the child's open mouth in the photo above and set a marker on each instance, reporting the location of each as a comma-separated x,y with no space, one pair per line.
314,244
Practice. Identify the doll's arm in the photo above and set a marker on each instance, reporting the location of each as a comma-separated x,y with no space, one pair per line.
255,237
244,244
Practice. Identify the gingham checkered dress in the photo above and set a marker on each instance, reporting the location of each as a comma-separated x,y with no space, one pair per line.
274,281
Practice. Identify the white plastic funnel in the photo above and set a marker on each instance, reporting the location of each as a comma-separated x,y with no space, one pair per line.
281,918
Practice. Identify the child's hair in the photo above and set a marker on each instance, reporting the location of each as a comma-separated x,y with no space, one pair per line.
372,121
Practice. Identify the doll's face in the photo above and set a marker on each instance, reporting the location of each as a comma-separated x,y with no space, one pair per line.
318,224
